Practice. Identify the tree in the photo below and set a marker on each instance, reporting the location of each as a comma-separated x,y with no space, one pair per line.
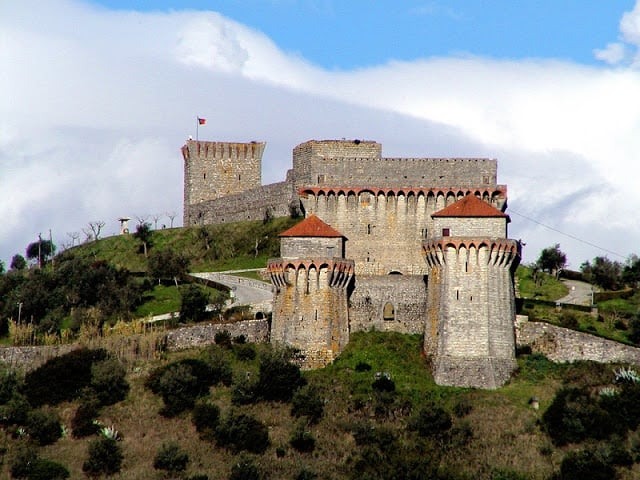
631,271
194,303
18,262
74,236
1,267
40,250
96,227
167,264
552,260
603,272
172,216
105,456
144,234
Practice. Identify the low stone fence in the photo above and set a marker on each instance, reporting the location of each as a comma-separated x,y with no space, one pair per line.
31,357
256,331
564,345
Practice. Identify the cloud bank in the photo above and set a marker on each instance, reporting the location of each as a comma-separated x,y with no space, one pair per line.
94,109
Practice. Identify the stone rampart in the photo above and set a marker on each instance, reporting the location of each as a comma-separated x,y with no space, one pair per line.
30,357
391,303
256,331
251,204
564,345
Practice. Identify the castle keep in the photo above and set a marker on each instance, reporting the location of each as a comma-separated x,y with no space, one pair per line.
413,245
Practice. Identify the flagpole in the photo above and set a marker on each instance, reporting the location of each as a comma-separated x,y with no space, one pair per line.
197,125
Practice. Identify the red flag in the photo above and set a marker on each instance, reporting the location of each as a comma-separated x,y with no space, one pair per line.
202,121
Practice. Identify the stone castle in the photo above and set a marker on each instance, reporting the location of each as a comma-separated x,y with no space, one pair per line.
412,245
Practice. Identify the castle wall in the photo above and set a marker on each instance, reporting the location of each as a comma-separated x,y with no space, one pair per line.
310,310
311,247
405,299
471,227
385,229
216,169
249,205
475,343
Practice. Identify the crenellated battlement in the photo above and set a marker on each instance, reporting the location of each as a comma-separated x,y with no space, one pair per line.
223,150
500,252
320,272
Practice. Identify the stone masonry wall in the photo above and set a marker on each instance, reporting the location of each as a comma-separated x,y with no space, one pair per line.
311,247
407,294
248,205
256,331
215,169
373,222
563,345
471,227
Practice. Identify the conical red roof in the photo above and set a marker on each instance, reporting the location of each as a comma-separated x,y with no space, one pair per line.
311,226
470,206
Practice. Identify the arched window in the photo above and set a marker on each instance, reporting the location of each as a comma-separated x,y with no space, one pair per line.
388,312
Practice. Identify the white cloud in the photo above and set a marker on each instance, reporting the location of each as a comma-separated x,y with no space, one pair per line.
612,54
94,108
627,50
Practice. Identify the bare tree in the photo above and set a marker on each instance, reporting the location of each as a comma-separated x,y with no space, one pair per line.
96,227
156,217
88,234
74,236
171,216
142,219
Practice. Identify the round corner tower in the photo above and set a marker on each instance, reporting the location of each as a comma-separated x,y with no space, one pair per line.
469,331
216,169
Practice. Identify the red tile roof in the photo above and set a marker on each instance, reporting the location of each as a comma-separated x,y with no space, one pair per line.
470,206
311,226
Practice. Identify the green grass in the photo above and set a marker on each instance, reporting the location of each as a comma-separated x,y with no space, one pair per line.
162,299
549,288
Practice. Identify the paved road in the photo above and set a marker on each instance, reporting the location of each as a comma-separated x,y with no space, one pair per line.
245,291
579,293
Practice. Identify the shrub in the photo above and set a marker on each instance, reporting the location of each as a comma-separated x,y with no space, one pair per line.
245,469
383,383
366,434
194,303
245,352
15,411
574,416
83,422
61,378
108,381
278,377
240,339
363,367
219,365
43,427
305,474
44,469
243,432
171,458
302,439
431,421
180,383
105,457
205,417
9,384
223,338
582,464
307,402
462,408
244,392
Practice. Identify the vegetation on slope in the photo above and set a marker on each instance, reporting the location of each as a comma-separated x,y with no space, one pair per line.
374,413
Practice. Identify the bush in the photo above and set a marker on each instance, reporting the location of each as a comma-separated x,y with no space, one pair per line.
431,421
105,457
180,384
83,422
278,377
383,383
223,338
245,469
220,366
585,464
240,339
363,367
205,417
43,427
243,432
44,469
61,378
574,416
245,352
244,392
305,474
108,381
194,303
9,385
171,458
302,439
15,411
307,402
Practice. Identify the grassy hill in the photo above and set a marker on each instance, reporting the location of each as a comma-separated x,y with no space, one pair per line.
364,432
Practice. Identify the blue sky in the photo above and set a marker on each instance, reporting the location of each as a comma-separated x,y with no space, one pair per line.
96,102
346,34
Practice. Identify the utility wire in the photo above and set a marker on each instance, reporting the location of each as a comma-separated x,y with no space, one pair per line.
568,235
